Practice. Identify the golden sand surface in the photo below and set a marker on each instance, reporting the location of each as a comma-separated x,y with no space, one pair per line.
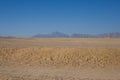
59,59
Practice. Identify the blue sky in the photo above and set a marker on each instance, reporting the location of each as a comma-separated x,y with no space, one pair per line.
29,17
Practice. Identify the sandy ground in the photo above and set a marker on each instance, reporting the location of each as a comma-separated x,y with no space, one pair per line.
61,42
56,73
20,59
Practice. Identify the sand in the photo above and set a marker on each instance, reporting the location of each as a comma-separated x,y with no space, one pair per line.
60,59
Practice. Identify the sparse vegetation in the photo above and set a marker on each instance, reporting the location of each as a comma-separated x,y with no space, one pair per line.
20,55
94,57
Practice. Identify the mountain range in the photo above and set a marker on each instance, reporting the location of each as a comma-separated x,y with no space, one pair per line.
77,35
74,35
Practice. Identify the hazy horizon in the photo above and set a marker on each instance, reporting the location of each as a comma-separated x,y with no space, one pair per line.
25,18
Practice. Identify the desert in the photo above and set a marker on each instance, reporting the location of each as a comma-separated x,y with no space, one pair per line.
59,58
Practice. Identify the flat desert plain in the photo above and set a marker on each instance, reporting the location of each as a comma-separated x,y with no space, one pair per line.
59,58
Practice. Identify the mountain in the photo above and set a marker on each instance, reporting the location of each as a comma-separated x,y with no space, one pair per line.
110,35
52,35
77,35
74,35
7,37
59,34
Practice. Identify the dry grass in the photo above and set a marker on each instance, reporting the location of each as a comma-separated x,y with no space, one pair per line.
45,77
94,57
61,42
102,56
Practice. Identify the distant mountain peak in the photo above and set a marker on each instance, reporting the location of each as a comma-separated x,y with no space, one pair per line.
77,35
52,35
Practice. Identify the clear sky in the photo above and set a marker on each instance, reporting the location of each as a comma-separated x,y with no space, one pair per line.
29,17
